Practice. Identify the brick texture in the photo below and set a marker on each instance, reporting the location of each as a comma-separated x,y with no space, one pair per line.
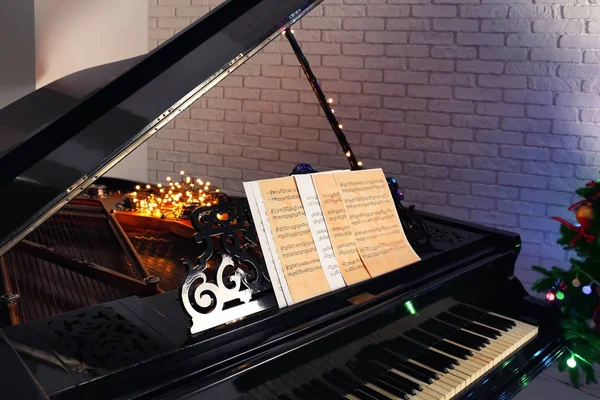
485,110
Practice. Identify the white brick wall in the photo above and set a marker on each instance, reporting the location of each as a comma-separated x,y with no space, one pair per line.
485,110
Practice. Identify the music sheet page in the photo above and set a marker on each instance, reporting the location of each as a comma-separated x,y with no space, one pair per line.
293,239
318,228
266,243
374,221
338,226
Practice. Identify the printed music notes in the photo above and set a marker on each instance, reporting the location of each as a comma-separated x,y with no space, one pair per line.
338,225
298,261
379,236
323,231
319,231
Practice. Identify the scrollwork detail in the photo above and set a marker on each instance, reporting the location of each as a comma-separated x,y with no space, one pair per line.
240,276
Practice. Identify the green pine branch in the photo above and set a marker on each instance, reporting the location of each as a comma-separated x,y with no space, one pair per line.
577,309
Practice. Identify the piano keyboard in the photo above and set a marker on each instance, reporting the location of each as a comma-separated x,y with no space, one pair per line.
435,355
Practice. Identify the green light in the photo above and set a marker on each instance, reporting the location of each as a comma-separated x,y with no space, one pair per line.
410,307
571,363
560,295
517,245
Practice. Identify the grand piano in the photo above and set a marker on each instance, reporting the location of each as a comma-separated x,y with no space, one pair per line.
92,298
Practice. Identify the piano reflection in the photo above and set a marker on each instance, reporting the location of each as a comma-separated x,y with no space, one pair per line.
93,288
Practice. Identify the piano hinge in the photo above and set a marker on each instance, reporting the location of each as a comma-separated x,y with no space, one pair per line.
361,298
77,184
236,59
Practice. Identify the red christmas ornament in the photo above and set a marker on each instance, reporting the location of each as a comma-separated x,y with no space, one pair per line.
584,213
550,296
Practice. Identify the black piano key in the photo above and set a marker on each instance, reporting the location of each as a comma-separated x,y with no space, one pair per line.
388,358
438,328
366,370
400,364
403,367
404,346
362,394
362,388
374,393
388,381
442,362
497,322
483,330
418,372
402,383
453,350
467,312
431,363
483,340
452,319
396,391
338,373
468,340
345,386
449,361
422,337
397,351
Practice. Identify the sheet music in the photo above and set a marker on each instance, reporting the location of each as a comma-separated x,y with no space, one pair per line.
338,227
318,228
292,239
265,245
374,221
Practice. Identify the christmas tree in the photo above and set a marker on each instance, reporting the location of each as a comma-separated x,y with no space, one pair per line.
577,290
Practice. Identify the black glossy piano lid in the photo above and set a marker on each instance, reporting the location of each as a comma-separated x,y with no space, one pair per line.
61,137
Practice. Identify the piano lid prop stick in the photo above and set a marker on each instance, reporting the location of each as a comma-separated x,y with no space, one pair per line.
325,104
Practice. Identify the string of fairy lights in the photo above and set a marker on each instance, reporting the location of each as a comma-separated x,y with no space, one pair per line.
557,292
173,199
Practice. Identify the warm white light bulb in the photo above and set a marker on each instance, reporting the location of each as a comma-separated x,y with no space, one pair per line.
360,163
330,101
341,126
